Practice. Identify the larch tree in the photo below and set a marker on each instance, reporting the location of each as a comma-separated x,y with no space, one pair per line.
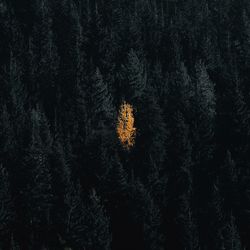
125,126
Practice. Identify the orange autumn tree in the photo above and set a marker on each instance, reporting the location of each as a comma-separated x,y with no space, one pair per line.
125,126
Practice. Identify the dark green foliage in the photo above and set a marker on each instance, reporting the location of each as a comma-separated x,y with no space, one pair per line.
204,108
229,183
7,215
180,222
116,182
232,238
65,69
60,182
6,135
87,224
145,218
133,78
100,103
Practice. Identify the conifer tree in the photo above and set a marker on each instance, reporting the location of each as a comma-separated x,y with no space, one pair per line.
18,95
14,245
229,183
216,220
133,78
150,144
65,69
125,126
232,238
239,115
100,102
74,217
88,226
179,88
179,213
98,224
115,184
145,215
37,184
6,135
7,215
44,60
61,183
205,108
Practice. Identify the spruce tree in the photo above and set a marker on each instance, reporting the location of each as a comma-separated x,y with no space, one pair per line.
100,103
133,78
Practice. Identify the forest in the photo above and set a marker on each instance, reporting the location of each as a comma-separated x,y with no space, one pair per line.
124,125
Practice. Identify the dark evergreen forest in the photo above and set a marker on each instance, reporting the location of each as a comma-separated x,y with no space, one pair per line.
67,181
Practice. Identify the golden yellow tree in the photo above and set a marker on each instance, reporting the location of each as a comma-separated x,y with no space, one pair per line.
125,126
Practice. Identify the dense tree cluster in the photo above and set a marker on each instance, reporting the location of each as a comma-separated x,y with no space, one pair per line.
183,67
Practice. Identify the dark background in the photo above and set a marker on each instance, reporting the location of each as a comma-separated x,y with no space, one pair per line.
65,179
